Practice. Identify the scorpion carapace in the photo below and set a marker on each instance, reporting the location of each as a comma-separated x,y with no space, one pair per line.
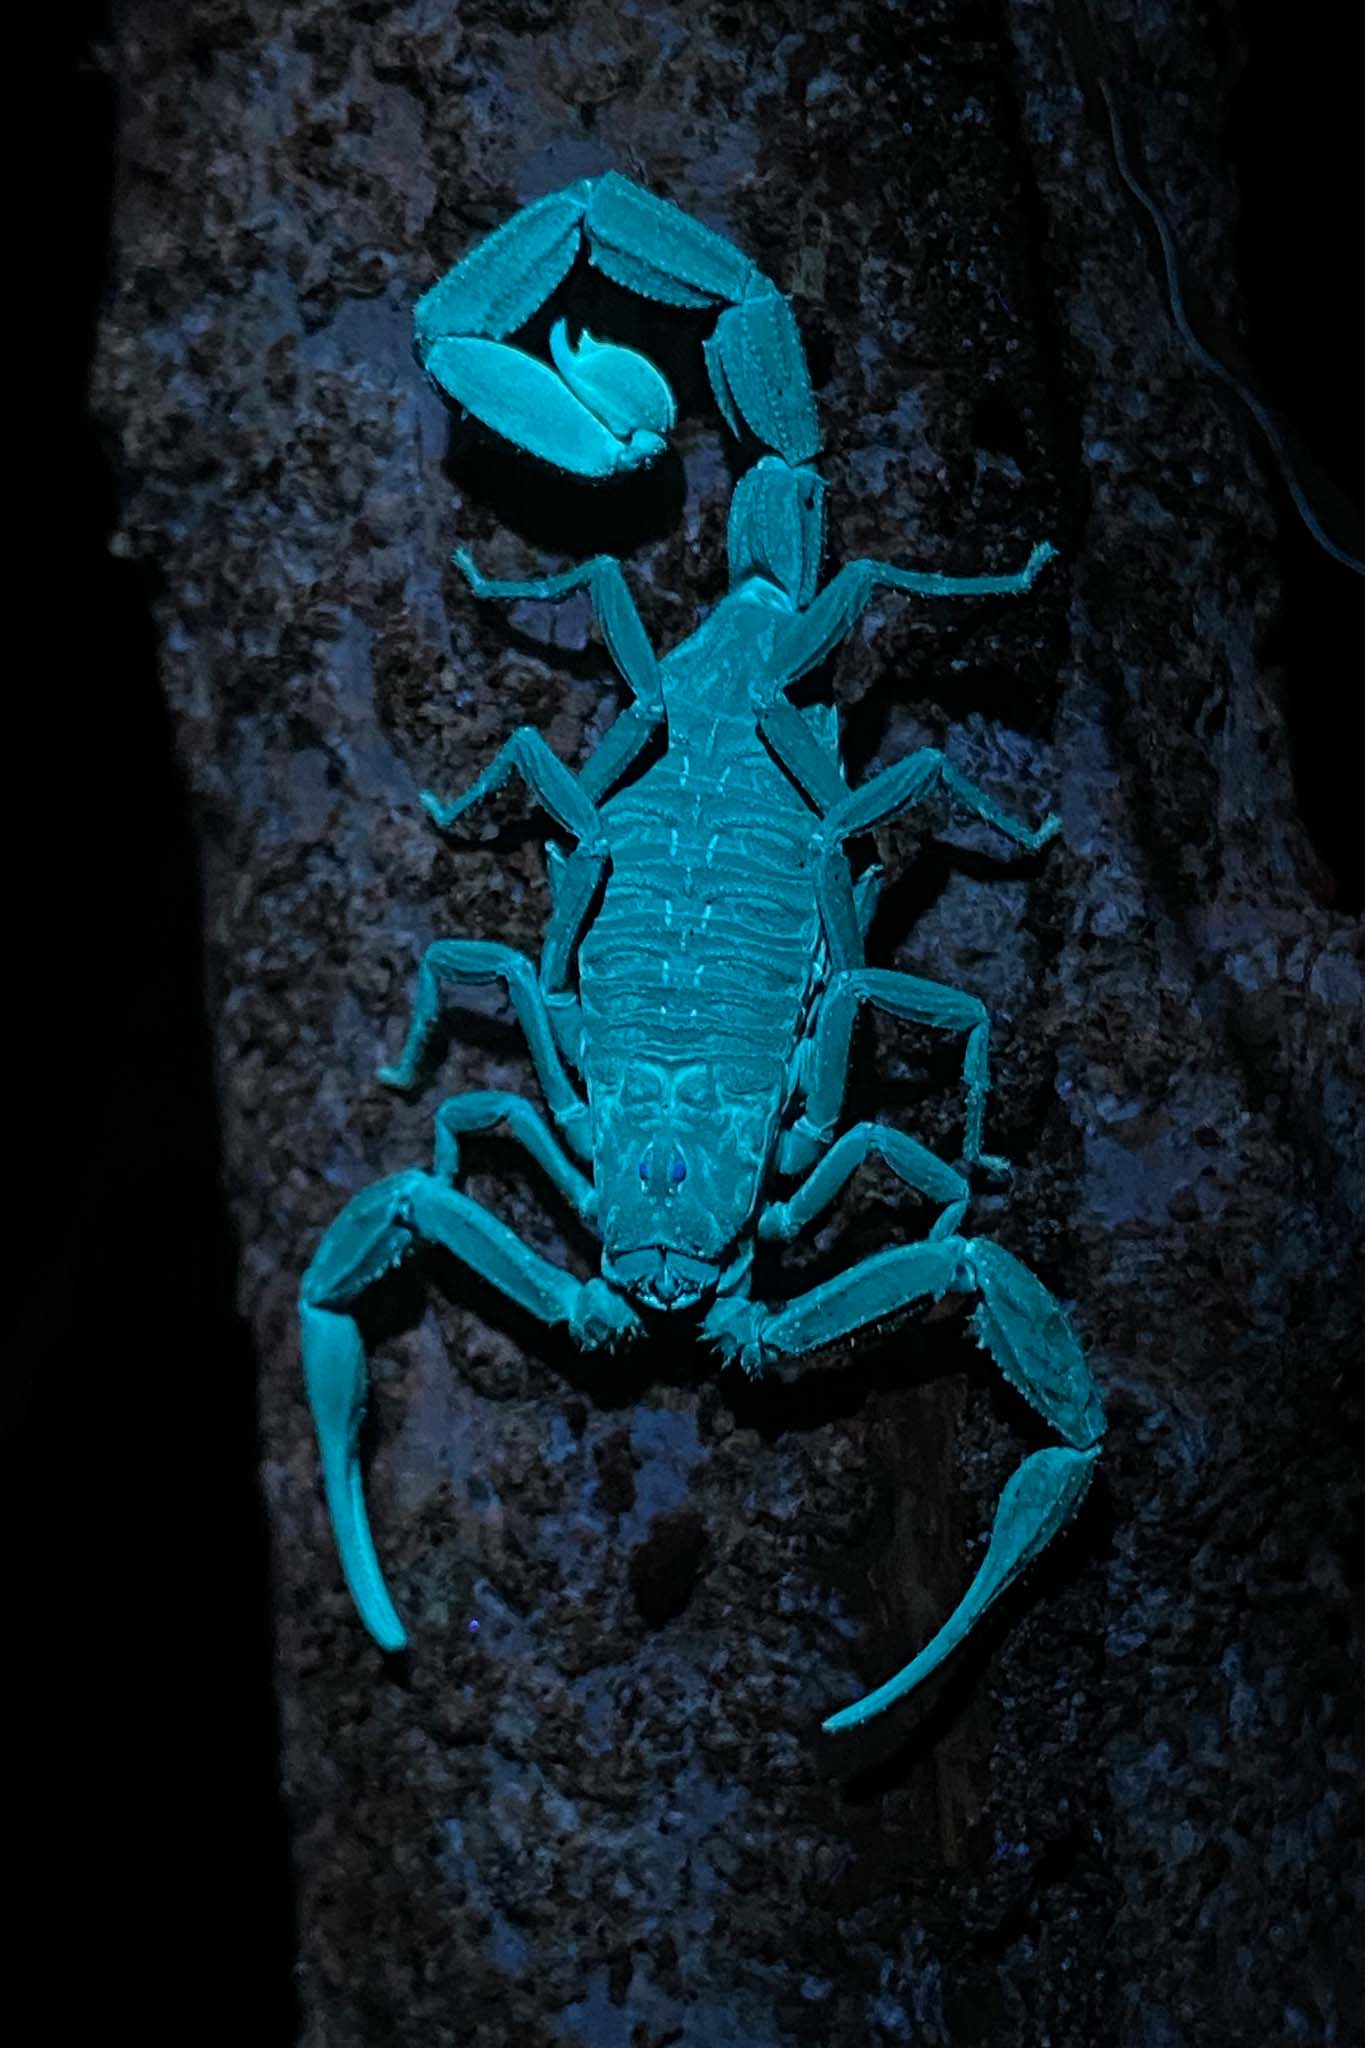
702,968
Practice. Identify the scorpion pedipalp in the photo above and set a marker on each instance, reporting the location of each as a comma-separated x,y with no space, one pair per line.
1038,1501
373,1234
1026,1331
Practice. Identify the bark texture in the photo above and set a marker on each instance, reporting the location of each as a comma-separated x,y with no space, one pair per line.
607,1816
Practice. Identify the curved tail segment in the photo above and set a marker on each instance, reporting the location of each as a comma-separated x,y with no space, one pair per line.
604,410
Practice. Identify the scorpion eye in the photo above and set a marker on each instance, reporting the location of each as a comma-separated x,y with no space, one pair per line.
644,1167
677,1171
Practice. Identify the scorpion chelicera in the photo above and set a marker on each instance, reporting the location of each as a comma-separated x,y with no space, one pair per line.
703,963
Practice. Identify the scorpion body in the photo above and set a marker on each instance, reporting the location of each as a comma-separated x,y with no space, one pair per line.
703,963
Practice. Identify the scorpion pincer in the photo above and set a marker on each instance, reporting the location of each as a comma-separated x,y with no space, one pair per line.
690,1016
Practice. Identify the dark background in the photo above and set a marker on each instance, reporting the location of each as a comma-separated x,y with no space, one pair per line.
183,1914
140,1328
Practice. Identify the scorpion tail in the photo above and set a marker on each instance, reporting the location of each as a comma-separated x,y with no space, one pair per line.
336,1376
759,373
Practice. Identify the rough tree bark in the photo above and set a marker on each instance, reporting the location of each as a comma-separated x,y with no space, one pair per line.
608,1817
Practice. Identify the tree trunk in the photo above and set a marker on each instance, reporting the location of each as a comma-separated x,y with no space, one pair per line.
607,1814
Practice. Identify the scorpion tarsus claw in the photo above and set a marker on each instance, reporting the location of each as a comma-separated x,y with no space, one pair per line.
442,815
994,1166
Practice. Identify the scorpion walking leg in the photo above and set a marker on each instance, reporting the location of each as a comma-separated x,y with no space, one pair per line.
627,642
553,785
374,1233
910,1161
469,962
917,1002
1026,1332
482,1110
574,880
887,796
890,795
808,638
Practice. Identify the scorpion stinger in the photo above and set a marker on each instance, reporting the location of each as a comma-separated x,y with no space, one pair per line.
691,1014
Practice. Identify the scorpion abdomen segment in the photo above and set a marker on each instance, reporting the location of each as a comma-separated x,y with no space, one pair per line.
709,927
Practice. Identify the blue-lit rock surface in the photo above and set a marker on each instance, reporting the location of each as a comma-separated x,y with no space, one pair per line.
593,1805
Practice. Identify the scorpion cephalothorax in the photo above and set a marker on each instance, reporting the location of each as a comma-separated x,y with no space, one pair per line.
703,964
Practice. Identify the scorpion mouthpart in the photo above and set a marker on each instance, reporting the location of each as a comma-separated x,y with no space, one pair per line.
660,1278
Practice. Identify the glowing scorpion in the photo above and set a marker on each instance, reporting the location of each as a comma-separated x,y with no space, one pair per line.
703,965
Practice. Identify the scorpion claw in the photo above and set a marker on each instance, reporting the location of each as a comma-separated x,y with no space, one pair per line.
1039,1500
1026,1332
335,1373
373,1234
